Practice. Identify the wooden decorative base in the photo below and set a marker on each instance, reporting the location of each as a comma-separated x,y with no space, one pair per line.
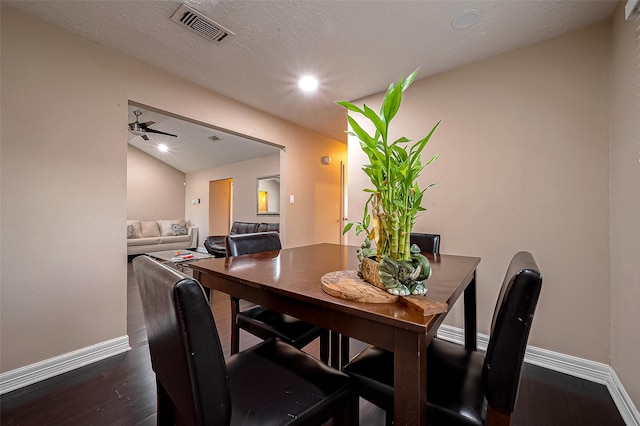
348,286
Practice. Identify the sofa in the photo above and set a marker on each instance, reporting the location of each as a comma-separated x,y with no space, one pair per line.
145,236
215,243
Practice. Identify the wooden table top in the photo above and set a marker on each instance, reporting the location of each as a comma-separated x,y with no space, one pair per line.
296,272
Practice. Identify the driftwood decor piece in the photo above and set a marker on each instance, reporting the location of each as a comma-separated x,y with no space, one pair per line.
347,285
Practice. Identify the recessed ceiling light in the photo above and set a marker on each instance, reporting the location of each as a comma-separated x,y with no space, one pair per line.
308,83
162,147
466,19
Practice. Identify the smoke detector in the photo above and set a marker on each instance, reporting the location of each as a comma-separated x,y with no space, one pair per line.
200,24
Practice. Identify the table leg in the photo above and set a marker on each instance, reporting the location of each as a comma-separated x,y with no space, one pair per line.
470,320
334,360
410,378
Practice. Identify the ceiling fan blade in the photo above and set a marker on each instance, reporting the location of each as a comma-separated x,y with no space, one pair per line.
159,132
145,137
147,123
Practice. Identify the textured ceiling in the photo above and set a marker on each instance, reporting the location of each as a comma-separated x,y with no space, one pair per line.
355,48
192,150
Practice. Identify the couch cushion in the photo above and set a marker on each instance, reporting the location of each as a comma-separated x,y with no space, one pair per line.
149,228
165,226
143,241
174,239
179,229
133,229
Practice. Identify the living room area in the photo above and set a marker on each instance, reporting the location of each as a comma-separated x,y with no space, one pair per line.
173,179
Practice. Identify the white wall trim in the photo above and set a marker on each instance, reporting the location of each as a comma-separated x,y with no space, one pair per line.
567,364
29,374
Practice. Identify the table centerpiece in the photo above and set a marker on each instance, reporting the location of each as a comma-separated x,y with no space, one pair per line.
395,198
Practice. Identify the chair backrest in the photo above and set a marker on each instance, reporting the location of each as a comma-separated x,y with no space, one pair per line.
428,243
244,227
510,328
239,244
186,354
265,227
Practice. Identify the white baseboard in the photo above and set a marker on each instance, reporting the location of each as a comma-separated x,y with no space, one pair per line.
567,364
27,375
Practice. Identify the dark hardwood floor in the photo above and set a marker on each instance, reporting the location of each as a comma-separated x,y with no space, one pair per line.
121,390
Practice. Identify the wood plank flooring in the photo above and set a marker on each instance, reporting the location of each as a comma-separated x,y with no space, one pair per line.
121,390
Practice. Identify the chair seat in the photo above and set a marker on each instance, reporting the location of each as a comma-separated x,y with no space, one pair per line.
266,323
454,393
274,383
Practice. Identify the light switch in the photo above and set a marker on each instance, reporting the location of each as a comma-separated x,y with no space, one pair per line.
291,199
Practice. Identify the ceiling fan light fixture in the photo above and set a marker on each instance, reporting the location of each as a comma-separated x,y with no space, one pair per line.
136,130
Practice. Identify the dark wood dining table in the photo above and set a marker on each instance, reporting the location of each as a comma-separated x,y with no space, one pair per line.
289,281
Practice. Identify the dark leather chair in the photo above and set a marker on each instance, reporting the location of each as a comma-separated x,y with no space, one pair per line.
271,383
260,321
462,383
215,245
428,243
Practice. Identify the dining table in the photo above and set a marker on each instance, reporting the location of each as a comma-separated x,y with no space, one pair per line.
289,281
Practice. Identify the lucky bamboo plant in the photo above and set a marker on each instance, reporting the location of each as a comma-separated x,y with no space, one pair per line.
395,199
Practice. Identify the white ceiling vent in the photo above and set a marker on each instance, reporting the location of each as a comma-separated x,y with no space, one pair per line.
197,22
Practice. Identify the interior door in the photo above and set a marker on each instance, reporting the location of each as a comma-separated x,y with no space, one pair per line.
220,201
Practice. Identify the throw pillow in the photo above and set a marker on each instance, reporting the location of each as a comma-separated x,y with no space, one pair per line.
179,228
150,228
165,226
131,232
137,232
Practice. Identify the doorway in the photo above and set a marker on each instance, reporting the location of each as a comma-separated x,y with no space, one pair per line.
220,206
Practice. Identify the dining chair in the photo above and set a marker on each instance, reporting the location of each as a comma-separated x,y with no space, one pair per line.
272,383
467,387
428,243
263,322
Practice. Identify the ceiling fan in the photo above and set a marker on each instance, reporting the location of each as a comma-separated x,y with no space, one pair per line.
141,129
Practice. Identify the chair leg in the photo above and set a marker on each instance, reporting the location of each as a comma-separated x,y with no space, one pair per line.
388,416
344,351
165,411
324,346
349,415
235,331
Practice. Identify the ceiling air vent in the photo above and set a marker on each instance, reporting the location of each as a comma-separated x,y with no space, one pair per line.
197,22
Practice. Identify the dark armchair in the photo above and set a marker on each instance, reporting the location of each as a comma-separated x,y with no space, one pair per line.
215,245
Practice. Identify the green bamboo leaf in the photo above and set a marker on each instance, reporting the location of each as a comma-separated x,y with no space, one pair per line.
409,79
347,228
400,140
391,103
350,106
381,127
360,133
434,158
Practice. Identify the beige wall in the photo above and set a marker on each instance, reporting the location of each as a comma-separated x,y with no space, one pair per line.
624,178
244,175
155,190
524,144
64,191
